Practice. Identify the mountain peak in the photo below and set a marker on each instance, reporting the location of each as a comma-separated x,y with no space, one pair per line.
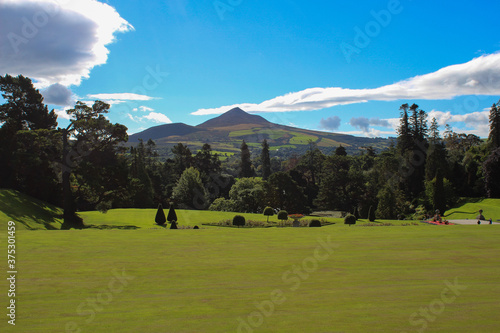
235,116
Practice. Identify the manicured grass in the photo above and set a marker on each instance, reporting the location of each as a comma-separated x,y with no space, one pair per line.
372,280
490,207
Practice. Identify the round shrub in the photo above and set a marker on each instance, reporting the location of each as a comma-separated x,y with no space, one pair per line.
283,215
350,219
268,211
315,223
239,220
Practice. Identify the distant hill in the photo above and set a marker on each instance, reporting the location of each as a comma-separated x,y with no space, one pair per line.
226,132
234,117
161,131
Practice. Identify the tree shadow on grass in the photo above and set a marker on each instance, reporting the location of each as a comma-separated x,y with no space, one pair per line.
30,212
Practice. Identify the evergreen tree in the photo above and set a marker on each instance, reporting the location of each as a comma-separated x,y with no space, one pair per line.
183,159
266,161
340,151
142,184
494,137
386,200
160,218
491,170
404,138
172,215
436,154
437,195
434,136
246,168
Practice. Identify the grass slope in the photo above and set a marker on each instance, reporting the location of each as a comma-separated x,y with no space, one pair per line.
210,280
30,213
469,210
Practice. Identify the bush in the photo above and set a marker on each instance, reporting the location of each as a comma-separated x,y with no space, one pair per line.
160,218
172,216
315,223
350,219
223,205
371,214
268,211
283,215
239,220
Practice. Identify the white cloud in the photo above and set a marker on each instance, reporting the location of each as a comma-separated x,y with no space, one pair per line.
158,117
143,109
152,116
122,97
55,41
480,76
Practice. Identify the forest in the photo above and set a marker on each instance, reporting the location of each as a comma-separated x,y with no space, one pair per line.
86,166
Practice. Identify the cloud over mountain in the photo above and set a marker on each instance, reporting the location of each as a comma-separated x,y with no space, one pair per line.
480,76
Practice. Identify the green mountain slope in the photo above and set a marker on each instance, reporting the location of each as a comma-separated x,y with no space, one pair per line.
226,132
27,212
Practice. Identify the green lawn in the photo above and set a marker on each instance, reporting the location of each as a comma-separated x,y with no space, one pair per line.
372,279
330,279
490,207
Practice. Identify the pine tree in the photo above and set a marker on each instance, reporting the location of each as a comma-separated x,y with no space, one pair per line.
404,139
494,137
434,136
246,168
266,160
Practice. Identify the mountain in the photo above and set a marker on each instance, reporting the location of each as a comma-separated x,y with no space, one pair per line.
161,131
226,132
234,117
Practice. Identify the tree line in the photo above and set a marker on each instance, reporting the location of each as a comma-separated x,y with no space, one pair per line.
86,166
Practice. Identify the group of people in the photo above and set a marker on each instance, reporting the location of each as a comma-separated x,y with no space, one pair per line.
481,217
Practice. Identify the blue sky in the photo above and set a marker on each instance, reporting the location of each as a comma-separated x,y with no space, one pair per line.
334,66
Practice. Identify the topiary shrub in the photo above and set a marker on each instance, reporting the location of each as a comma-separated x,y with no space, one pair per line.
283,216
268,211
160,218
371,214
315,223
239,220
172,216
350,219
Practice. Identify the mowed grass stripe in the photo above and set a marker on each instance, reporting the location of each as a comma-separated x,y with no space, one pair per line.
204,280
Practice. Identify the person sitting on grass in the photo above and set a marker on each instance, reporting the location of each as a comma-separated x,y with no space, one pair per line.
437,217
